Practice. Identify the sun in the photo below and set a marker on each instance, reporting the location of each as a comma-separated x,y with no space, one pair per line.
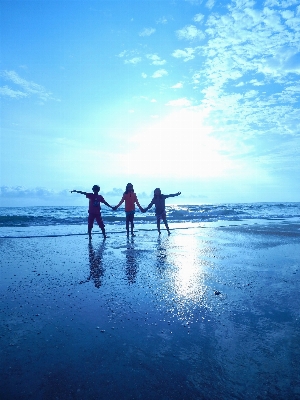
179,145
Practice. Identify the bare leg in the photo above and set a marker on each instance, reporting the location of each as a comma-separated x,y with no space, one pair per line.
132,226
127,226
158,225
103,233
101,225
90,231
167,226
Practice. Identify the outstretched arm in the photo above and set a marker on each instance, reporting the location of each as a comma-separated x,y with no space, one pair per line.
78,191
148,207
173,195
139,206
118,205
106,203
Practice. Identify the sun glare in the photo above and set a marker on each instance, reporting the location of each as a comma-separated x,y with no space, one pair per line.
179,145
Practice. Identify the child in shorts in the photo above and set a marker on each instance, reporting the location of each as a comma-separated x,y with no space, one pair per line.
130,199
94,209
160,207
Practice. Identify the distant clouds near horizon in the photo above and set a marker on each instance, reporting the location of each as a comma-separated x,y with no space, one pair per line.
40,196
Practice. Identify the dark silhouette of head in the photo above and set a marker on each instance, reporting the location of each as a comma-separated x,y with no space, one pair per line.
129,188
96,188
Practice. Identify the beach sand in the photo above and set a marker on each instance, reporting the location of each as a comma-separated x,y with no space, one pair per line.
205,313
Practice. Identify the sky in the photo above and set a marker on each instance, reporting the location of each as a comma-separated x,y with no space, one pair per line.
197,96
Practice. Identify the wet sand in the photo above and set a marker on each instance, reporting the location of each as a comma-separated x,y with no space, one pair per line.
206,313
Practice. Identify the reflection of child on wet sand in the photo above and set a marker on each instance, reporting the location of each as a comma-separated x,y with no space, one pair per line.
94,209
96,265
160,210
130,199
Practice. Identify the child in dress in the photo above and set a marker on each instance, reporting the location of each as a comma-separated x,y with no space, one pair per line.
160,207
94,209
130,199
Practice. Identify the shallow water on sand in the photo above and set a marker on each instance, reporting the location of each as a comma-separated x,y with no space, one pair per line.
202,314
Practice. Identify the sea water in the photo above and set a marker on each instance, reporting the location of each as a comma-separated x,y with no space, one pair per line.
60,220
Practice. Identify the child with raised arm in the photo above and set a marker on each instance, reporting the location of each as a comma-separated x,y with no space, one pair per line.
130,199
160,208
94,209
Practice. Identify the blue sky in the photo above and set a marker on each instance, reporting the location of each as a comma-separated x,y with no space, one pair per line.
195,96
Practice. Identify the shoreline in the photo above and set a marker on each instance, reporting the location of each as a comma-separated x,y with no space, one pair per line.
115,229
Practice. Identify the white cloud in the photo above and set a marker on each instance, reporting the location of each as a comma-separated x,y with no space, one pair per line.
159,73
190,32
147,32
144,75
293,63
287,14
118,192
196,77
255,82
178,85
115,192
282,4
148,99
293,23
134,60
162,20
29,88
251,113
280,64
156,60
187,54
198,18
183,102
22,192
123,53
210,3
195,2
251,93
6,91
248,40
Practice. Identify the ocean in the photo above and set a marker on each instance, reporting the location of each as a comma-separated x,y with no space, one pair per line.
60,220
